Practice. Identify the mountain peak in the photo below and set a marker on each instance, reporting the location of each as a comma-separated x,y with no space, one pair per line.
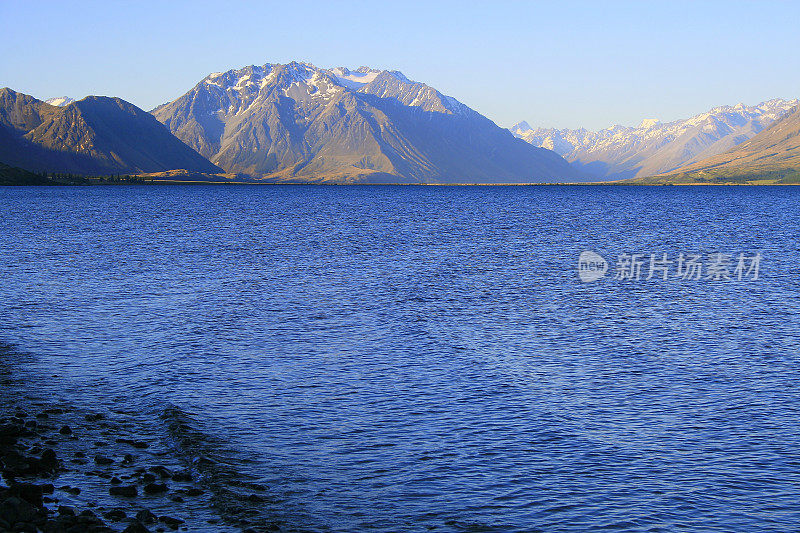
300,122
521,127
648,123
354,79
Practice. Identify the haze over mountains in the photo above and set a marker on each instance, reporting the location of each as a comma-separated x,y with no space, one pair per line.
653,147
298,122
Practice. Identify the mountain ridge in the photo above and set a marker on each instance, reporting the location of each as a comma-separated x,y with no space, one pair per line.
654,147
298,122
773,155
93,136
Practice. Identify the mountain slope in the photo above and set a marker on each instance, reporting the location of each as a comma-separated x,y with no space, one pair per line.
652,147
17,176
96,135
297,122
21,112
773,154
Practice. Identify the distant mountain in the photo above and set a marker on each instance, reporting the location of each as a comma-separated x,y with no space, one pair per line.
96,135
771,156
297,122
653,147
61,101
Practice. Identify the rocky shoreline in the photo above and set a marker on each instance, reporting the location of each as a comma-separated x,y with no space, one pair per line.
66,467
54,473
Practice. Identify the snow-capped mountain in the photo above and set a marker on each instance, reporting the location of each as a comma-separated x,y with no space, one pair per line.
304,123
653,147
773,154
60,101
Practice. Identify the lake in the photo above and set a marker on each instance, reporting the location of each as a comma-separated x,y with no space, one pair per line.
409,358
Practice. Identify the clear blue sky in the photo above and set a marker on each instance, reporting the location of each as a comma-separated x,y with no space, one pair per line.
564,64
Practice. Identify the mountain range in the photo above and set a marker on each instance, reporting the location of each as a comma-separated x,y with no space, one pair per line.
772,156
298,122
301,123
653,147
96,135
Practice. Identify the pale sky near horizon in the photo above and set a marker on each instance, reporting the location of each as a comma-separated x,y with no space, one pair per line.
554,64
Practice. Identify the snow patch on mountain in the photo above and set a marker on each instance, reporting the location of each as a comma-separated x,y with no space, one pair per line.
60,101
520,127
245,86
648,123
354,79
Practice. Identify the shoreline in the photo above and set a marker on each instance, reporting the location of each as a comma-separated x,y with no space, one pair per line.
55,467
66,468
313,184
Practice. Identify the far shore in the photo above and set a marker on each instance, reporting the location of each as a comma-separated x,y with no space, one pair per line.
91,181
19,177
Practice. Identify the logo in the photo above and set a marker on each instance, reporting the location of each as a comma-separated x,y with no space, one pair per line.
591,266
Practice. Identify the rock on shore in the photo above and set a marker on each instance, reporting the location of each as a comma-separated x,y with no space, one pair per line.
62,472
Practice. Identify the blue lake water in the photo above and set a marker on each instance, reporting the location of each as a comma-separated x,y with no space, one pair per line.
394,358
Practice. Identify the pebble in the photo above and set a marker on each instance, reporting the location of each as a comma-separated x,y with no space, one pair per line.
135,527
170,522
116,515
29,492
155,488
103,460
161,471
66,510
146,517
129,491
